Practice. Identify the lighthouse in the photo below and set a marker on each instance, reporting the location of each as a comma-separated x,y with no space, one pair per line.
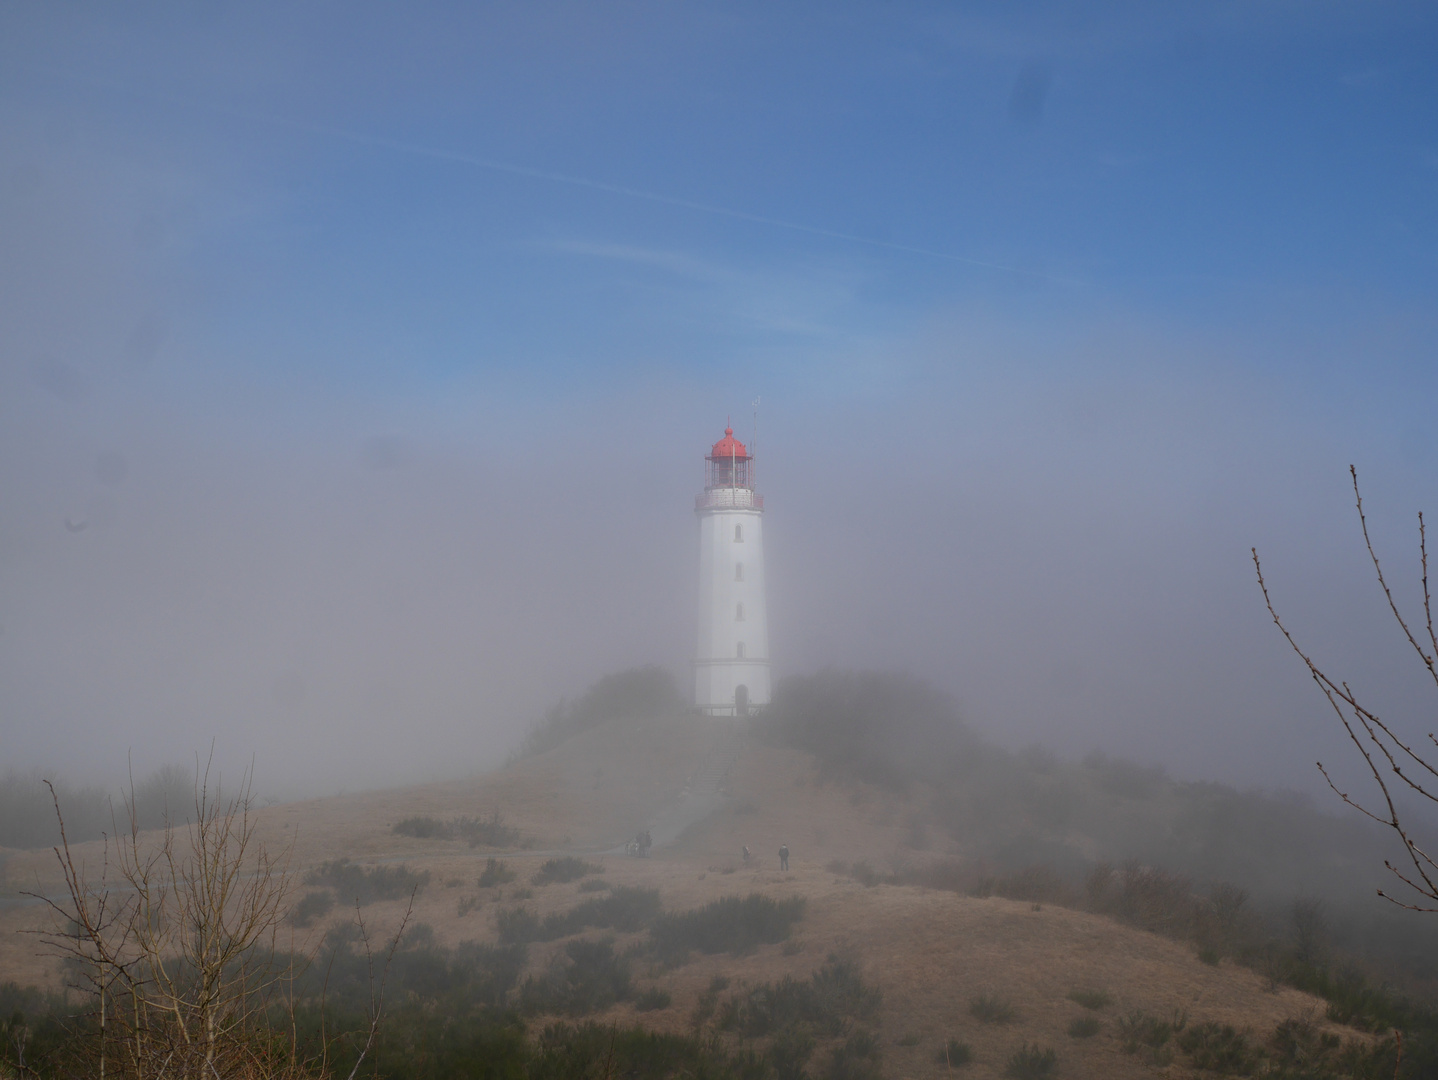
731,661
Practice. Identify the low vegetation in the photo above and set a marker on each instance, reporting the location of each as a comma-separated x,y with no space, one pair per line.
353,883
1030,1063
1091,999
1084,1027
495,873
652,1000
315,904
795,1016
585,978
625,909
567,868
955,1053
992,1010
729,924
1220,1048
490,832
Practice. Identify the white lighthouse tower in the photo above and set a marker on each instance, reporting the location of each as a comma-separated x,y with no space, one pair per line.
731,662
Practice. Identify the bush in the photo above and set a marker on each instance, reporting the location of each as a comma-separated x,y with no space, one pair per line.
824,1003
992,1010
494,873
1138,1029
360,885
1091,999
1220,1048
423,828
857,1058
652,1000
313,905
1084,1027
955,1053
1030,1063
587,978
728,924
625,909
565,869
593,885
480,832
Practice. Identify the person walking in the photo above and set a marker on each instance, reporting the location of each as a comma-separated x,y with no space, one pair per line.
783,856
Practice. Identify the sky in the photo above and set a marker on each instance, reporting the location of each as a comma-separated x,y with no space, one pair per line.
357,364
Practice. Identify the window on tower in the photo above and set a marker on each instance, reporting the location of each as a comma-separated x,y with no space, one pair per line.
738,534
738,571
739,650
739,613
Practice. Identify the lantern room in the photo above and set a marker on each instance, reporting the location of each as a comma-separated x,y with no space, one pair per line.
728,465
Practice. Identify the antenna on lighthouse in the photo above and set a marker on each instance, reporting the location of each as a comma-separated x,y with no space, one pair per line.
754,443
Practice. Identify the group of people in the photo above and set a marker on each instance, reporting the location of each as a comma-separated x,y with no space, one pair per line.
783,856
642,842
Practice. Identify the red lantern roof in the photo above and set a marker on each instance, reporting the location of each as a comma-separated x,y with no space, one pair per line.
729,447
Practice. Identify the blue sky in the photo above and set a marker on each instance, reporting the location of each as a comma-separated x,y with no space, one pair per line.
409,326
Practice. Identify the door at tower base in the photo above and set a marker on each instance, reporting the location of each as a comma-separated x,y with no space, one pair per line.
724,689
731,657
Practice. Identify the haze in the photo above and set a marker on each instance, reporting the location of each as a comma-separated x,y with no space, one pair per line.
357,364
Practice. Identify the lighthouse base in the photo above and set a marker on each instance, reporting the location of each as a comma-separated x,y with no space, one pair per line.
731,687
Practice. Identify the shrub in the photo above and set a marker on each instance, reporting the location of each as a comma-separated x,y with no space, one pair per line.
652,1000
1091,999
567,868
1211,957
489,832
1030,1063
625,908
423,828
517,925
361,885
486,832
593,885
494,873
587,978
857,1058
728,924
468,904
955,1053
1084,1027
1220,1048
313,905
824,1003
992,1010
1138,1029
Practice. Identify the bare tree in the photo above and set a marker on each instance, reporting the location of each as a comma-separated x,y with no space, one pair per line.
1395,766
175,942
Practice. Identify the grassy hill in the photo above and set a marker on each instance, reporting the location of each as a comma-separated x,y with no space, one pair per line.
944,901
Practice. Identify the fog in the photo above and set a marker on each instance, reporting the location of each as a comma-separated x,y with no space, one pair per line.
356,374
